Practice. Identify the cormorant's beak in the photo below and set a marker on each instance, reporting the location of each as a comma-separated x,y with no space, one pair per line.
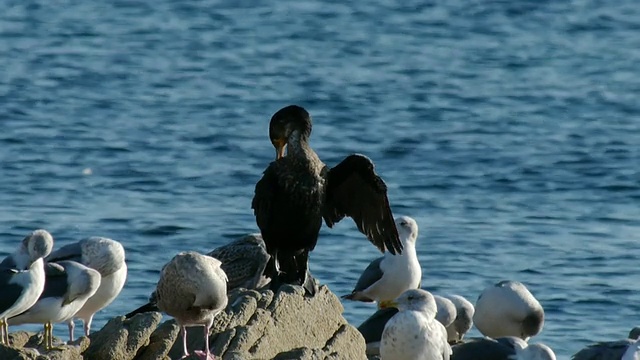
280,145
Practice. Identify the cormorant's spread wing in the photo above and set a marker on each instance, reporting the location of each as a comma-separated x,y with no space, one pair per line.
355,190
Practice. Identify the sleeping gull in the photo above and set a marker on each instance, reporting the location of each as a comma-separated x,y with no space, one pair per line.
505,348
508,309
107,257
22,277
464,318
414,333
243,260
446,310
608,350
192,288
67,287
390,275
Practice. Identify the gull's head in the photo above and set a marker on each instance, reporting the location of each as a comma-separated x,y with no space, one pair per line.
289,120
536,352
416,300
38,244
407,229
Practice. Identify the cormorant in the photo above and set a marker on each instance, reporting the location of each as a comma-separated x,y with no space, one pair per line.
297,191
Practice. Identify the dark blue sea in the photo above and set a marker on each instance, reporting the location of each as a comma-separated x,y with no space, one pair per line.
509,129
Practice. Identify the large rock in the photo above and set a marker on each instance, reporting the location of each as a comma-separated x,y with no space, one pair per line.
289,325
255,325
121,339
30,346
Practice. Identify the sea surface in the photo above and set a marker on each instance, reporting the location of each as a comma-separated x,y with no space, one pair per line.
510,130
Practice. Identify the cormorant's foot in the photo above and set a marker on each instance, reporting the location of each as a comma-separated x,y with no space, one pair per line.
202,355
310,285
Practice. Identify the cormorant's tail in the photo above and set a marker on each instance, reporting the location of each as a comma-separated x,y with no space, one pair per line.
148,307
292,270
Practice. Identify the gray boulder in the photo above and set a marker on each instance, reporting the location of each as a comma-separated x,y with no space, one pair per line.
255,325
289,325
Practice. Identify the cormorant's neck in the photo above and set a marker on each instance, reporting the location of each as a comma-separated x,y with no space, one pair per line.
298,143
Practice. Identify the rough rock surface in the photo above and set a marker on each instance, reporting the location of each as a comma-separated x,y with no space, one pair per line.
30,346
259,325
121,339
255,325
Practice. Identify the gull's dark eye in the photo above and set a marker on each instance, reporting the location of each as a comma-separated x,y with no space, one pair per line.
404,223
410,297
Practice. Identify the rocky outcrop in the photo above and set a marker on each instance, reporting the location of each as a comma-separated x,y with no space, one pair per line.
30,346
285,326
255,325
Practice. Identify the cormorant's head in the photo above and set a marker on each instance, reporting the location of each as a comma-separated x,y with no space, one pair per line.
289,120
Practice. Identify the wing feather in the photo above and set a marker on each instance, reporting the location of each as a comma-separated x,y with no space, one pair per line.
355,190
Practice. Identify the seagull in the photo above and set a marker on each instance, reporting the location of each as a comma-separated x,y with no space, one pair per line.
243,260
464,318
22,277
390,275
298,191
607,350
447,313
504,348
414,333
192,288
108,258
67,287
508,309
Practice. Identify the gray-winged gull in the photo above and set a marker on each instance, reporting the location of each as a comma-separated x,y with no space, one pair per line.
243,260
508,309
192,288
22,277
67,287
505,348
414,333
372,328
609,350
446,310
390,275
105,255
464,318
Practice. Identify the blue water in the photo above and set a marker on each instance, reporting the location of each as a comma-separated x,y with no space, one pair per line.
509,129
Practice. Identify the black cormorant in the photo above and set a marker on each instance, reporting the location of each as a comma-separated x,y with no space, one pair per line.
298,190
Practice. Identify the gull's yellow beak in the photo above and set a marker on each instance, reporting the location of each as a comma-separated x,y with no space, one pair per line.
387,304
280,145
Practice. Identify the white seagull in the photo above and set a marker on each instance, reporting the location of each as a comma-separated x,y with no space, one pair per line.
390,275
108,258
414,333
67,287
508,309
22,278
464,318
